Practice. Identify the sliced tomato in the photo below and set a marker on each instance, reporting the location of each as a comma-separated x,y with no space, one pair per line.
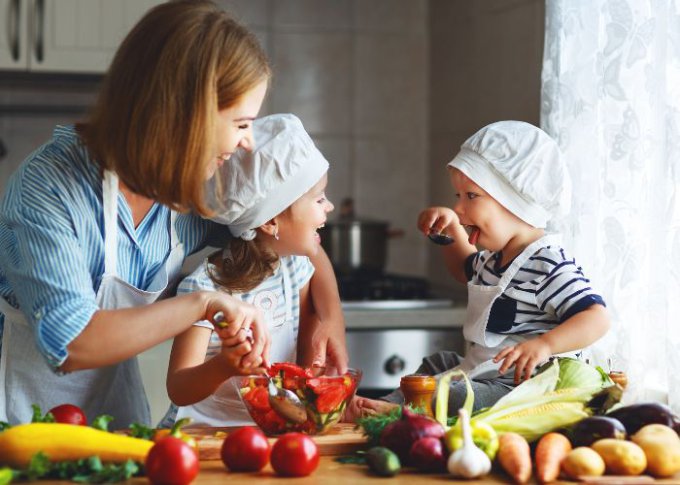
274,423
258,398
288,369
330,397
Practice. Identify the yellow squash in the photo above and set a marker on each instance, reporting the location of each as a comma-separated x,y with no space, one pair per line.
62,442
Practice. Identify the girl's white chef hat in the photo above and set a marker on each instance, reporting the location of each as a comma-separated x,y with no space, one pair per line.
259,185
520,166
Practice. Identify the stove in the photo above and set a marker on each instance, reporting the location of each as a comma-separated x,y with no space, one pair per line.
393,321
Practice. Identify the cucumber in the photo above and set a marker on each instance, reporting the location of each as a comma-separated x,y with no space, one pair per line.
383,461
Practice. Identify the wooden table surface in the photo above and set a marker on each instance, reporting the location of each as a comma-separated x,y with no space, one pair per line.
331,472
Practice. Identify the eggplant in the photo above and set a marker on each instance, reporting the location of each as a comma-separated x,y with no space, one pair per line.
589,430
635,416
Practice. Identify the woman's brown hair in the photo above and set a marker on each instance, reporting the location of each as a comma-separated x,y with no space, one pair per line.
243,266
153,123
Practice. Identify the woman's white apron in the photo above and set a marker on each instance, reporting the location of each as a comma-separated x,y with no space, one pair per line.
117,390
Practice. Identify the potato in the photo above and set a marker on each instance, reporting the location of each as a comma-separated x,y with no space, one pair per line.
621,457
583,461
661,445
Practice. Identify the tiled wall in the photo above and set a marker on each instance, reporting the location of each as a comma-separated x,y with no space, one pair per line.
387,88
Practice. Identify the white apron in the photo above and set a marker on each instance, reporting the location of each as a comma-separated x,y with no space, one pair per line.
117,390
224,407
482,346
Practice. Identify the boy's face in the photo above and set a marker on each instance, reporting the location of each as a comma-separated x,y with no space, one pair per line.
298,225
477,210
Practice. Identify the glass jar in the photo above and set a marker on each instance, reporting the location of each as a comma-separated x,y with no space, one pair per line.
418,390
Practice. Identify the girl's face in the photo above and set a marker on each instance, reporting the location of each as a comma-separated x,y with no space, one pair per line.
478,211
298,225
234,126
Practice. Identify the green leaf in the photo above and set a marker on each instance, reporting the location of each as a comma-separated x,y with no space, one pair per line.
373,425
39,466
38,416
102,422
4,426
141,431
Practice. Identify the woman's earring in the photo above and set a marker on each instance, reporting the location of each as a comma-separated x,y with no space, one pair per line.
276,234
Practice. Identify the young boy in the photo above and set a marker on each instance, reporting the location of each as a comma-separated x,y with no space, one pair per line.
527,297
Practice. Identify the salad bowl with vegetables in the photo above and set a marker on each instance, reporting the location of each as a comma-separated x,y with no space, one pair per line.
325,397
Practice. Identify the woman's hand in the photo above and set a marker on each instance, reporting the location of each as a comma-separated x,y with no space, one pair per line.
231,316
436,219
233,354
329,347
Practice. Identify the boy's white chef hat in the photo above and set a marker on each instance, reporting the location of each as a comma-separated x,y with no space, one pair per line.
520,166
259,185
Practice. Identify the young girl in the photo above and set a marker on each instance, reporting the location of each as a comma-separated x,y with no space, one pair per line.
527,297
275,205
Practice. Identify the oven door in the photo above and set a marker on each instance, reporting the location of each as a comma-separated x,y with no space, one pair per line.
385,355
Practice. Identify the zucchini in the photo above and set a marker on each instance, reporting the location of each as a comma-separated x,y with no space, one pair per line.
65,442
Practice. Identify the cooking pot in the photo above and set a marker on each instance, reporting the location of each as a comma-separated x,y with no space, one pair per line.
356,244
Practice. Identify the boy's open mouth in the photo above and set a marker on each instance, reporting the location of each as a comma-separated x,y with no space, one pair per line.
474,234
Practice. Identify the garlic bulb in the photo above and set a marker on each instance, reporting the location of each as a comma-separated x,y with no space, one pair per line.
468,461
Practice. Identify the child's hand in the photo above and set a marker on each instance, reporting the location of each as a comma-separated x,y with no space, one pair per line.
525,357
436,219
233,353
362,406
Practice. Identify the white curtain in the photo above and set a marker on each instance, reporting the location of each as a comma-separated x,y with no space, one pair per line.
611,97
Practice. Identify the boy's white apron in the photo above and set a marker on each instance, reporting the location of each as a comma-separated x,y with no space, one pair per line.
224,407
482,346
116,390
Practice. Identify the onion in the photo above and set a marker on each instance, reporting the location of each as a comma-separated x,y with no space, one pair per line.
400,435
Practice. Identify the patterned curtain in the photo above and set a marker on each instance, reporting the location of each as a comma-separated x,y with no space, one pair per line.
611,97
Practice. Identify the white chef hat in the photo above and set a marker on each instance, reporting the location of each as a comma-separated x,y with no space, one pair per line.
259,185
520,166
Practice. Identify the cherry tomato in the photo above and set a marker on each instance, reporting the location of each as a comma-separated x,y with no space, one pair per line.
295,455
245,450
68,414
171,461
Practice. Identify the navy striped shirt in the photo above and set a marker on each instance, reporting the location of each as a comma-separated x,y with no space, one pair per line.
547,290
52,241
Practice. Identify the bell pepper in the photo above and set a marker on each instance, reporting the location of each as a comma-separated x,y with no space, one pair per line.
483,435
177,433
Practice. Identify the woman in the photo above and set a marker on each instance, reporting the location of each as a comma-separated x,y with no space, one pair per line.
94,225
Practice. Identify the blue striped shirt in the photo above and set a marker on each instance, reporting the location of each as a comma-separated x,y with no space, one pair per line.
547,290
52,241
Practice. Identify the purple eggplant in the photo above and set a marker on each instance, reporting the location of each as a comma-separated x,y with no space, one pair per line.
589,430
635,416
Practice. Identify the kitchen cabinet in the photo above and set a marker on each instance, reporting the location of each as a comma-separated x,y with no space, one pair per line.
70,36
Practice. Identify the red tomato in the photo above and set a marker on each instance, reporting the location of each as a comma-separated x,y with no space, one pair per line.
289,370
330,397
245,450
171,461
68,414
295,455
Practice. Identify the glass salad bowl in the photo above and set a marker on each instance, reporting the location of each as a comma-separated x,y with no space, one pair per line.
325,397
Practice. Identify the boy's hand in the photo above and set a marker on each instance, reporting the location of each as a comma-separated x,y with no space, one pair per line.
436,219
525,357
362,406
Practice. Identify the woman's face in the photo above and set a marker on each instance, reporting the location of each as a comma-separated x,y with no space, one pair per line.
298,226
235,126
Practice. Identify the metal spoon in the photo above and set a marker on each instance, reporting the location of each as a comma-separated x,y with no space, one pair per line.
283,401
286,403
441,238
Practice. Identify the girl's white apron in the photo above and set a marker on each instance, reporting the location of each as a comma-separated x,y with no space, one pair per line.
117,390
224,406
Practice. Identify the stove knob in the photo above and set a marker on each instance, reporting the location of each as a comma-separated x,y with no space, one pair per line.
394,365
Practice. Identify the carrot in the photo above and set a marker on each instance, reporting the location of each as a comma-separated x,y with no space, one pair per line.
552,448
515,457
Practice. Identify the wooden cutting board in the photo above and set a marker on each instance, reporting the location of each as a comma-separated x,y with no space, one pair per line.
341,439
